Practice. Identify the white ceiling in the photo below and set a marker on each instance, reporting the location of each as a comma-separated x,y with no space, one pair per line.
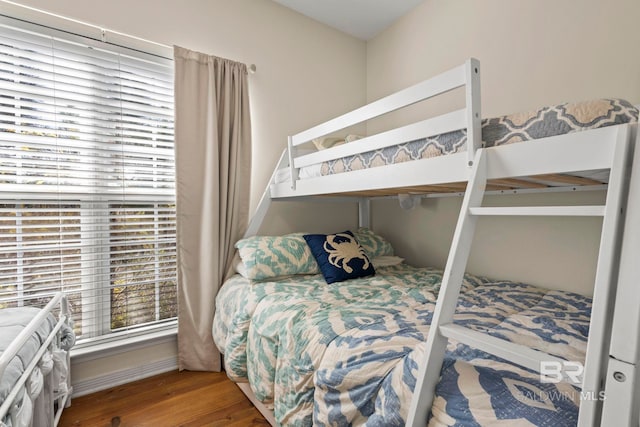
363,19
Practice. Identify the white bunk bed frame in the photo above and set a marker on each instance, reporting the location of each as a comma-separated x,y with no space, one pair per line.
613,349
63,399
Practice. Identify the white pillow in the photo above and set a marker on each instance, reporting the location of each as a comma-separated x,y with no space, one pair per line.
327,142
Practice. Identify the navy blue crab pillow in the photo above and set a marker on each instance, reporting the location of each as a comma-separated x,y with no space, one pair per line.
339,256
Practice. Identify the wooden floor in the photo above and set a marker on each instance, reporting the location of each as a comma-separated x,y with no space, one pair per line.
167,400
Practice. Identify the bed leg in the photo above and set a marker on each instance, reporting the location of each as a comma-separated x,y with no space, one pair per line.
67,402
266,413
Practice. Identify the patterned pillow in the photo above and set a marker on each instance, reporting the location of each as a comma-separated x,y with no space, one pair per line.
373,244
557,120
266,257
339,256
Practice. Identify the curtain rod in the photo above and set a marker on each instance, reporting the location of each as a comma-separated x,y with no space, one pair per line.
251,68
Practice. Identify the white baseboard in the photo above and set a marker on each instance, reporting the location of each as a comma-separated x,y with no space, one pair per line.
122,377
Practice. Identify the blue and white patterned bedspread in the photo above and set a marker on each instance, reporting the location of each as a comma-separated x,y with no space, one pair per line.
368,379
347,353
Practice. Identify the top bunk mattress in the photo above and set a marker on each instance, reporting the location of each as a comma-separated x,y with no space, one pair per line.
541,123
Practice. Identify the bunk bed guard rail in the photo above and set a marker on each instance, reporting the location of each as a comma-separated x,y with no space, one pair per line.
469,118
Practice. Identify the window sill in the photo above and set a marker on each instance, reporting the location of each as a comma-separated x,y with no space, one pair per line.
91,350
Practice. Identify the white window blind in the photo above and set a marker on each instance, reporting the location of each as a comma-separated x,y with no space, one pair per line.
87,187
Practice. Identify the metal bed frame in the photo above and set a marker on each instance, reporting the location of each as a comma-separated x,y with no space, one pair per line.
613,349
58,401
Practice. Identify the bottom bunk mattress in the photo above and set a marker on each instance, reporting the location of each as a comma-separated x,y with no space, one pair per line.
348,353
12,322
274,333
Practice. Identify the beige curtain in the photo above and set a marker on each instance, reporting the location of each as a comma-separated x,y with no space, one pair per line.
213,167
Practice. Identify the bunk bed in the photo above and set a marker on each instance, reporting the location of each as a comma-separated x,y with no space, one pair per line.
35,384
407,345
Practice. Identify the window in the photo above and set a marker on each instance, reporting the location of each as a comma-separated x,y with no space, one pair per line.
87,179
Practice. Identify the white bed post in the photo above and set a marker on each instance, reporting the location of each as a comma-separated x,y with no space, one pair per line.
604,290
293,170
258,217
473,113
265,201
622,387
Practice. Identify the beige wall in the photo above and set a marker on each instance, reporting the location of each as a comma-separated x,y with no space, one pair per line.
306,73
532,53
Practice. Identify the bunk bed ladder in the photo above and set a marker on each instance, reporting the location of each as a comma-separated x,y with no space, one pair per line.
442,326
429,371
